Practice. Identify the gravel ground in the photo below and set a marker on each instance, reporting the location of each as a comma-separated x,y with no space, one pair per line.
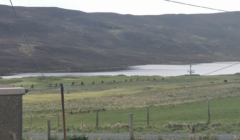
125,136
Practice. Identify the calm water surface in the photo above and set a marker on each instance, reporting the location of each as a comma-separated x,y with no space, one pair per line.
150,70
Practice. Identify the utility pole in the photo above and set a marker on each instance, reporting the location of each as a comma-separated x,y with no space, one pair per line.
190,79
63,112
190,72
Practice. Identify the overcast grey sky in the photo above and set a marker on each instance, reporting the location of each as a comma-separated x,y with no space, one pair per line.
135,7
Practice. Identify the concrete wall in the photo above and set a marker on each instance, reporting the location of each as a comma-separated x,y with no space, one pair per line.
10,116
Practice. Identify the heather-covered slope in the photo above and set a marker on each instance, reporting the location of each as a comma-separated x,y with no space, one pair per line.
67,40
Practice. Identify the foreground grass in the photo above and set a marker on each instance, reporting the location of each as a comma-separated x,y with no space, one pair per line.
170,118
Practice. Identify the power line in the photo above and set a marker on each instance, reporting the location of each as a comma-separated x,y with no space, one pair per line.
197,6
221,69
35,59
184,80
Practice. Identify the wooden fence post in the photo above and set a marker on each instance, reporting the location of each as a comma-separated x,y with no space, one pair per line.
147,115
208,111
97,119
48,129
131,126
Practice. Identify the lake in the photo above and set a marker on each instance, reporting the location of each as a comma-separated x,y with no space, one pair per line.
151,70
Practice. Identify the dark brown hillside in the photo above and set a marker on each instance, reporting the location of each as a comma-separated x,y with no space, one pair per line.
68,40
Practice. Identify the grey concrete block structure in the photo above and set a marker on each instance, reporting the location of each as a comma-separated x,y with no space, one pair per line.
11,113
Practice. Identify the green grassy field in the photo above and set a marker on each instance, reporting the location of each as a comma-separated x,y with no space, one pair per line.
162,118
171,104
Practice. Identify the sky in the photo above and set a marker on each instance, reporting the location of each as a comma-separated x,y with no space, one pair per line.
134,7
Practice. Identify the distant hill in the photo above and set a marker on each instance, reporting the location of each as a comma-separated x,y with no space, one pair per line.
68,40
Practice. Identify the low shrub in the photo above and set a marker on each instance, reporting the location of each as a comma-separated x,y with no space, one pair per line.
54,138
203,137
82,137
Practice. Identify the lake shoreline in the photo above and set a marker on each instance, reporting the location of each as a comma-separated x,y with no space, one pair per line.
165,70
125,67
